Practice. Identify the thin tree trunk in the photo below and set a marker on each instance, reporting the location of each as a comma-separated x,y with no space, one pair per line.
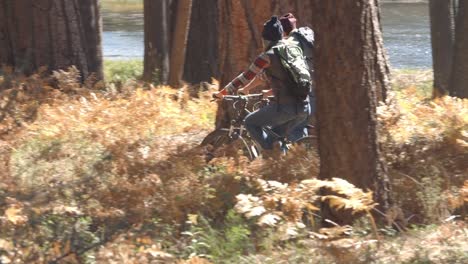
442,26
349,71
202,54
226,42
179,41
92,22
52,33
157,40
459,78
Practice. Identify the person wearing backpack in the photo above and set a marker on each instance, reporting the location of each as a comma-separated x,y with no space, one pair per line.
304,37
287,110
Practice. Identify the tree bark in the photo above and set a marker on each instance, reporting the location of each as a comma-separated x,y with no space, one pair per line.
349,71
92,22
241,22
442,27
157,40
52,33
459,78
383,68
179,41
239,40
202,53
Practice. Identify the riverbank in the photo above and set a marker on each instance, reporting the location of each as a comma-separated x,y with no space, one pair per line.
122,5
405,29
404,1
118,70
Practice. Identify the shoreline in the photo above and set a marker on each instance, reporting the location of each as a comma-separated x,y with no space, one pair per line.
403,1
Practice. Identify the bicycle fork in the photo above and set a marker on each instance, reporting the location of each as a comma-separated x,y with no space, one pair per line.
284,146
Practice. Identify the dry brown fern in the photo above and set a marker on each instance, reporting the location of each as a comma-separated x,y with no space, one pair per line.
283,206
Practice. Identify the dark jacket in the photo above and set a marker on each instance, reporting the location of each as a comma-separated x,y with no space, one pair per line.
279,80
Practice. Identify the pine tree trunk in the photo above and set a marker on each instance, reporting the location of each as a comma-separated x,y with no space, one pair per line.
241,23
239,40
157,40
382,64
92,22
442,26
459,78
202,53
52,33
349,72
179,41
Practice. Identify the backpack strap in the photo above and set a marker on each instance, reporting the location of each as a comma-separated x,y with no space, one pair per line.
277,53
306,35
291,79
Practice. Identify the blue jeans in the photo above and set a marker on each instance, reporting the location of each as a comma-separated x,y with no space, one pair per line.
281,117
301,129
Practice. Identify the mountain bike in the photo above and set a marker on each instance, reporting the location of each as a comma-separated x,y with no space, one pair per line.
236,136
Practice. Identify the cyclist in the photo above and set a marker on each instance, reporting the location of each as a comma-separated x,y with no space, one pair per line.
285,112
291,32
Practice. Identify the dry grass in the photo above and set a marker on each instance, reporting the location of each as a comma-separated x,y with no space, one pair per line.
82,167
445,243
426,147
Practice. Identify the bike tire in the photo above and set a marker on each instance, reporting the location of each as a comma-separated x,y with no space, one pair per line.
216,138
220,137
250,148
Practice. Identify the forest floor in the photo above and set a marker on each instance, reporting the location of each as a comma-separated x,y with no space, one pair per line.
115,174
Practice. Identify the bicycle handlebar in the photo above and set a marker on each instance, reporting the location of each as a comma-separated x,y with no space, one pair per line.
245,98
242,96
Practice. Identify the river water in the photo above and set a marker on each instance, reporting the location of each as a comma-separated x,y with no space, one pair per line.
405,30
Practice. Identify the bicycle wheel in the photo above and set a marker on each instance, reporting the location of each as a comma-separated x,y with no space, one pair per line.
216,138
250,148
246,147
224,145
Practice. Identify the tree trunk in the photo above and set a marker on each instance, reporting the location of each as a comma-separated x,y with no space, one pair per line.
92,22
202,53
349,71
157,40
459,78
383,68
442,26
52,33
241,24
179,41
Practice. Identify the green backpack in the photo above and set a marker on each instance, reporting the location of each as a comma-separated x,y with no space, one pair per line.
293,60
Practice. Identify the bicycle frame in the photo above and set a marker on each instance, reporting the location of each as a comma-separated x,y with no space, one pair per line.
257,105
237,125
239,109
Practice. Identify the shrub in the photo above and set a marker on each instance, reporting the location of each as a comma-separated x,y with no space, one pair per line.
221,245
120,71
45,162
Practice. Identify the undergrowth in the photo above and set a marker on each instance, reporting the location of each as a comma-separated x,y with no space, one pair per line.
426,148
118,72
113,174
